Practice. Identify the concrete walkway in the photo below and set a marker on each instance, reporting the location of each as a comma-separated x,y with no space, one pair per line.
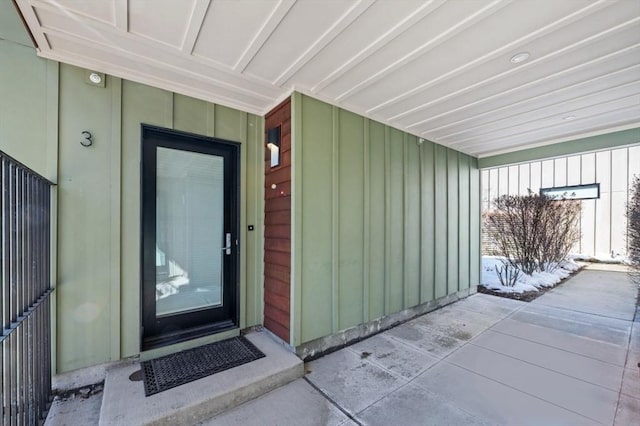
570,357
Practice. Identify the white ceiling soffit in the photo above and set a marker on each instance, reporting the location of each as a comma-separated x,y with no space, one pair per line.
438,69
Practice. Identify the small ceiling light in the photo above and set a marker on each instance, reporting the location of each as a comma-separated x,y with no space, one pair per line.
569,117
95,78
520,57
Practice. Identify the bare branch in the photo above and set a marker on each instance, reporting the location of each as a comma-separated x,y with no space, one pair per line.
532,232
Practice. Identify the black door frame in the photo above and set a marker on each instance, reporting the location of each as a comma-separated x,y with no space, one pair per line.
157,332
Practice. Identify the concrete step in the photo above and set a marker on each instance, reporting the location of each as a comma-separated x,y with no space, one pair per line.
124,402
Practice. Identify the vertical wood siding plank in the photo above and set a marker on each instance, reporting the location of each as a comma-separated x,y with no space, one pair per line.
366,220
427,236
115,216
464,223
387,222
441,224
335,221
453,221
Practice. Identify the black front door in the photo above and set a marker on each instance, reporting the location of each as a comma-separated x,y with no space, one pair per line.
189,236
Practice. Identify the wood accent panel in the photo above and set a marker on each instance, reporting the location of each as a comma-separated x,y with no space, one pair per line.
277,229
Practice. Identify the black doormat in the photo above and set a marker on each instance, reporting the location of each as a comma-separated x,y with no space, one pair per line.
183,367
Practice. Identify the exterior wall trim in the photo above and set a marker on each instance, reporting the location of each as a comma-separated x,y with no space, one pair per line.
296,219
577,146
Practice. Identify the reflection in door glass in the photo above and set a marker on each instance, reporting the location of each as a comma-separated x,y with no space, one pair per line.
189,230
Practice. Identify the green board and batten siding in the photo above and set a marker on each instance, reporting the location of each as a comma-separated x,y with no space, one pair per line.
380,222
374,228
99,200
96,299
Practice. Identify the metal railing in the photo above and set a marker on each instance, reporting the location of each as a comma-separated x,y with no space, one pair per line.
25,311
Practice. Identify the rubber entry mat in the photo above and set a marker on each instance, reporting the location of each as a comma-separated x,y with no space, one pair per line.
183,367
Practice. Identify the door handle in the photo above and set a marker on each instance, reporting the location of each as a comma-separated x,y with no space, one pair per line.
227,244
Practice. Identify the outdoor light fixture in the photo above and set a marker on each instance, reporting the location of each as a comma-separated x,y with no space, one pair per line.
273,143
519,57
95,78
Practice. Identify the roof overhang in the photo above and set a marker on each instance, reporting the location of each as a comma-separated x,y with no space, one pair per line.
441,70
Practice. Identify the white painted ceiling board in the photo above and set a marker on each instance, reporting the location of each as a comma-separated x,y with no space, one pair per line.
220,40
440,25
536,70
294,35
550,113
462,49
447,82
454,107
101,10
620,119
351,43
391,32
438,69
486,118
591,112
164,21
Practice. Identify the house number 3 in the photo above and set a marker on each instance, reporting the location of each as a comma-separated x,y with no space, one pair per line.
87,141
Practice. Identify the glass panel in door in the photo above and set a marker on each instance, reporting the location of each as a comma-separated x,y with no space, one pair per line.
189,227
189,231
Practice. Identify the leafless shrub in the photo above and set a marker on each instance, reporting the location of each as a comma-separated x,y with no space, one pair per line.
560,232
533,232
507,274
633,234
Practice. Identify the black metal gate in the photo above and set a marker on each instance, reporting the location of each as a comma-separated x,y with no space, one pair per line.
25,311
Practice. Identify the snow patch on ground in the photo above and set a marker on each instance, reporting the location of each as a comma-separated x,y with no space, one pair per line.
525,282
602,258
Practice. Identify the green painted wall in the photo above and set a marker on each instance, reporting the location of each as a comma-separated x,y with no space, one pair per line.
380,222
99,208
578,146
28,107
11,26
29,111
28,100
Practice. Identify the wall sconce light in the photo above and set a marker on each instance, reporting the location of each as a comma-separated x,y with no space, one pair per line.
273,143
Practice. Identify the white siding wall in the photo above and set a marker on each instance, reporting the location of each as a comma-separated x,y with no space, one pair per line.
603,222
